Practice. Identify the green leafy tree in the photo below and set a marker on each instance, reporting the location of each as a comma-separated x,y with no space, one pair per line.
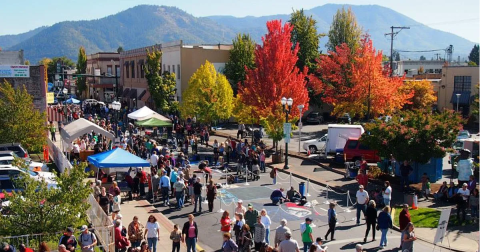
20,122
416,135
161,87
119,49
344,29
423,58
304,33
27,62
209,96
44,208
396,56
473,56
242,57
81,69
52,65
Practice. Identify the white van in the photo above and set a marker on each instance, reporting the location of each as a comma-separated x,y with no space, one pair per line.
338,135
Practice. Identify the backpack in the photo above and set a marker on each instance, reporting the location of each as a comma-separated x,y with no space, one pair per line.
272,173
91,237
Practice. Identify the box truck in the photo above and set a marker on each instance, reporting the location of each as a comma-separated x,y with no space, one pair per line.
338,134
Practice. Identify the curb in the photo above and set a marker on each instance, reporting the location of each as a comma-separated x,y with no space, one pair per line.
324,184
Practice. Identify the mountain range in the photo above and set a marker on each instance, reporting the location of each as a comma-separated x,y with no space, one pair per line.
145,25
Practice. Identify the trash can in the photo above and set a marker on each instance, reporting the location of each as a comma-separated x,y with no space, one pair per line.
301,188
408,198
353,172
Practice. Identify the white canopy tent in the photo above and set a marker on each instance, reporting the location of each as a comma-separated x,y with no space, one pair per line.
146,113
80,127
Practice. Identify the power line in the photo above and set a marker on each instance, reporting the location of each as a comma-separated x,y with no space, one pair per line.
436,50
392,35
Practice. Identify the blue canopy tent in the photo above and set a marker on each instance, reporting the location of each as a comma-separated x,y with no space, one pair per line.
72,100
117,158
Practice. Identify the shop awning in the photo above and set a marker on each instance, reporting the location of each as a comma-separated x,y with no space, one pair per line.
464,98
126,91
133,93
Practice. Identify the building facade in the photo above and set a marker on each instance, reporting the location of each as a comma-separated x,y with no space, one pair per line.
457,88
178,58
12,57
103,74
412,67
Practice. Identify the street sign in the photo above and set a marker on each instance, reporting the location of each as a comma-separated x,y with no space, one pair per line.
300,125
59,67
287,130
50,97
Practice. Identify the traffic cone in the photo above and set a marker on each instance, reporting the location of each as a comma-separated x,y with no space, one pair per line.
415,202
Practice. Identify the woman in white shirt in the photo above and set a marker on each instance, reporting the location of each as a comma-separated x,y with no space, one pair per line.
152,232
387,194
265,219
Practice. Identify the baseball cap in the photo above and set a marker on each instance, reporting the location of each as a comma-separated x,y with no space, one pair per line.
69,229
240,201
118,217
361,187
464,184
308,219
250,205
319,239
84,227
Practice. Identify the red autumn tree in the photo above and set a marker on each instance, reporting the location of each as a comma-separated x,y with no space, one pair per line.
274,77
356,83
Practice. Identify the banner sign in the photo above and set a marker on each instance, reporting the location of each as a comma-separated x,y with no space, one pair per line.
14,71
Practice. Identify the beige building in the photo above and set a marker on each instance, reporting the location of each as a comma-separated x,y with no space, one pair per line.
178,58
455,80
104,71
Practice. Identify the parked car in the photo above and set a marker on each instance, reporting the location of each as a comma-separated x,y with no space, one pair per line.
315,117
8,153
90,101
32,165
463,134
345,118
354,150
9,170
16,147
315,144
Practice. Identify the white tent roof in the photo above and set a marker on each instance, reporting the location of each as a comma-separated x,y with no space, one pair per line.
146,113
80,127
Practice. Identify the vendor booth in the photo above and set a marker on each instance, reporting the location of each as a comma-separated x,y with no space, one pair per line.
146,113
77,129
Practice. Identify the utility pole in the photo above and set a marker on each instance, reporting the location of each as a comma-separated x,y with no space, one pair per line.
392,35
437,54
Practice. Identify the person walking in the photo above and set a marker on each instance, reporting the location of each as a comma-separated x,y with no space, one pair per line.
280,232
384,223
266,221
53,131
362,200
87,240
307,236
152,232
176,237
225,222
408,237
179,188
371,219
165,187
332,222
190,234
240,209
260,233
289,244
135,232
155,184
211,194
246,238
387,194
197,191
251,218
474,204
228,244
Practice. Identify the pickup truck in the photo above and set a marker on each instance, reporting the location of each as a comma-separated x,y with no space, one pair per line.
354,150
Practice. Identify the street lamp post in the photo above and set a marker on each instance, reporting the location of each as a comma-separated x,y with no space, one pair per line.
116,107
458,100
300,125
287,106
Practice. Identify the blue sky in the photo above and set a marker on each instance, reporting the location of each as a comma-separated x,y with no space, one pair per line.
458,17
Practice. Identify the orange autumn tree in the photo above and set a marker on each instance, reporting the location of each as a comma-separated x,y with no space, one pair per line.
274,77
356,83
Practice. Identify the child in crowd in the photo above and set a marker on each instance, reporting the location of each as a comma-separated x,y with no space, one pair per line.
175,236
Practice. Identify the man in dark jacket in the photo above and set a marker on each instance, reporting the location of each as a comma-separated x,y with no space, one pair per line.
251,218
69,240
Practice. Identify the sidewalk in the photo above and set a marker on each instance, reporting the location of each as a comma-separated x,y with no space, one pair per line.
461,238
